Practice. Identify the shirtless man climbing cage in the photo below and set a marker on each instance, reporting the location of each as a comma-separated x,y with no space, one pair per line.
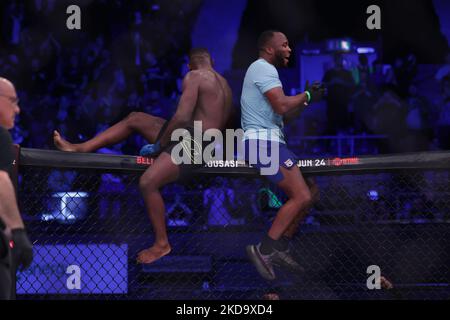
206,97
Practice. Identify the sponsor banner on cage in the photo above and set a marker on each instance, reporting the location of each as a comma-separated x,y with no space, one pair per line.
332,162
225,164
76,269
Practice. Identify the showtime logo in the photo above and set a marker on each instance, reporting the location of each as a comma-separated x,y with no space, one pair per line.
345,161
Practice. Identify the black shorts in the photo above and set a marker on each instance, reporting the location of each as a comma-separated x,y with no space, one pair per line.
188,153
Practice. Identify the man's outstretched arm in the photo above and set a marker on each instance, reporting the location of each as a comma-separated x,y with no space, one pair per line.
186,106
292,106
283,104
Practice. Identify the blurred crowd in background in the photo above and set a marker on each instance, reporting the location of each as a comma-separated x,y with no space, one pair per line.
133,57
83,82
384,100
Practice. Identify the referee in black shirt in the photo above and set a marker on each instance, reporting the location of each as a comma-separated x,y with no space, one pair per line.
15,247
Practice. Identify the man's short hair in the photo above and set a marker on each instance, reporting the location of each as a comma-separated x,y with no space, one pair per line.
199,54
265,37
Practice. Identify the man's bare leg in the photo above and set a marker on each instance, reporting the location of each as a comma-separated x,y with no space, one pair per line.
299,196
162,172
315,195
136,122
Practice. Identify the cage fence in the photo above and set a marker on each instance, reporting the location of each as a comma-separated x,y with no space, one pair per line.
88,225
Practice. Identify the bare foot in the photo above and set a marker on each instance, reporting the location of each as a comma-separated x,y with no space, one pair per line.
62,144
152,254
385,283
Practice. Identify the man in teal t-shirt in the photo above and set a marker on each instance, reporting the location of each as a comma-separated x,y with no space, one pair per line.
264,108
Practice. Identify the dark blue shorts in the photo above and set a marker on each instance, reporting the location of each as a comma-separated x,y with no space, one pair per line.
263,155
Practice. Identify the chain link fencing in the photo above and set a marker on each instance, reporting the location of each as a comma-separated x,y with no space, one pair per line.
88,226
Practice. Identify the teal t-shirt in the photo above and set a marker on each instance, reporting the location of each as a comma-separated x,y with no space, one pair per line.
258,119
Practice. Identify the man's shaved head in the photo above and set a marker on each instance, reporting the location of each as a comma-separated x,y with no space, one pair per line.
6,86
199,56
9,107
273,46
265,38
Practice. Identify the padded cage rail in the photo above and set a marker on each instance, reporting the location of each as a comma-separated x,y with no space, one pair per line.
58,159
